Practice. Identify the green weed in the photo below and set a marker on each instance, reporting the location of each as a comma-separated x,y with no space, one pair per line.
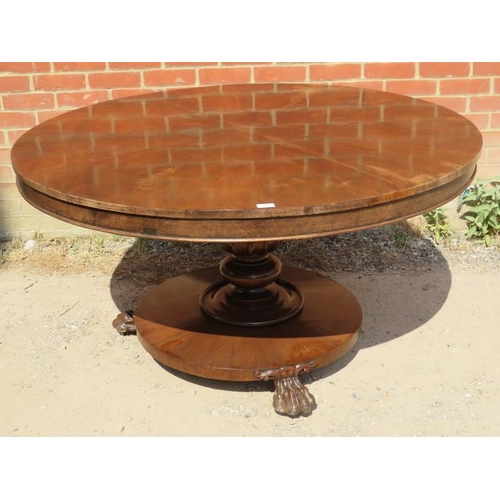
438,224
483,210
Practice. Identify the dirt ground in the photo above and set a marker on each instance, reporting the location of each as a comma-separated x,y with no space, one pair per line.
426,363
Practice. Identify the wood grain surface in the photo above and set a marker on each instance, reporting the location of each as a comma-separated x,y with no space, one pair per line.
171,327
247,162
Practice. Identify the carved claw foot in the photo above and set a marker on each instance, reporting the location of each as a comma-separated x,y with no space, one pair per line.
124,323
291,398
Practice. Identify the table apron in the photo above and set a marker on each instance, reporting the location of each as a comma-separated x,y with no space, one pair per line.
233,230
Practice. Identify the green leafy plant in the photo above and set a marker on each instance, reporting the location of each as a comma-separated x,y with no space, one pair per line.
142,244
97,240
483,210
438,224
400,238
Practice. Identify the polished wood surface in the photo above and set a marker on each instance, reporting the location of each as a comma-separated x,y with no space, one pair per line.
247,162
251,291
172,328
247,165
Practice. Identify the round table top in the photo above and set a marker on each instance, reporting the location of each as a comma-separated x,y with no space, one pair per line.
246,153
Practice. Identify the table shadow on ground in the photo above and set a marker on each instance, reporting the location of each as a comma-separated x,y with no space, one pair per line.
395,301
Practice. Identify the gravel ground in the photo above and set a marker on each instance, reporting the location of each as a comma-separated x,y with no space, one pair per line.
426,363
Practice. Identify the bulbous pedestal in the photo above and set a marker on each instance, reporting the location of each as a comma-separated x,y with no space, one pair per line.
251,293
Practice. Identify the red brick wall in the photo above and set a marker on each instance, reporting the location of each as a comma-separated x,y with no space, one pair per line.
33,92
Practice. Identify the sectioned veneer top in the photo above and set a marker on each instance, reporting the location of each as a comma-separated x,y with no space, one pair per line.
247,151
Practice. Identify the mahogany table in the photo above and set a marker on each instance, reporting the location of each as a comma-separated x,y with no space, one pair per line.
247,166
